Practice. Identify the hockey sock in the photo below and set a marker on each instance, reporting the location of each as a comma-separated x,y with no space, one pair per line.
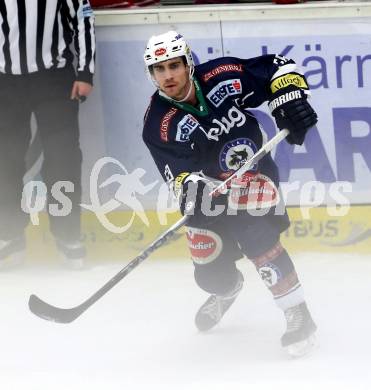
278,272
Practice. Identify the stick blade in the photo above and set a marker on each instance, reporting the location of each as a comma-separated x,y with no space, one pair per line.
51,313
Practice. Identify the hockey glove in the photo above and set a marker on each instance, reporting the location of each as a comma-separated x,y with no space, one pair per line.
193,194
291,110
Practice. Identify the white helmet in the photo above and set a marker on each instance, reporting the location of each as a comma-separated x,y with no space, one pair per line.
165,47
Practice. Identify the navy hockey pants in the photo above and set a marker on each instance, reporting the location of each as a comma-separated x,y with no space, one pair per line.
215,248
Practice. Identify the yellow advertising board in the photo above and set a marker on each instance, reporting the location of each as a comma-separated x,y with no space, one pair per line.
321,232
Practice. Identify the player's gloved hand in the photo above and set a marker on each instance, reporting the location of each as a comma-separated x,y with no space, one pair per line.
193,194
291,110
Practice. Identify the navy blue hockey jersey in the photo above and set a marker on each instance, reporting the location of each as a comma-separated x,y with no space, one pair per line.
221,134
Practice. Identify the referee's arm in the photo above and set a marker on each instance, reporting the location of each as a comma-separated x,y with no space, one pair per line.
82,20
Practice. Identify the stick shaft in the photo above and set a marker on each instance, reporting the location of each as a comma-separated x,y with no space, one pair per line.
159,242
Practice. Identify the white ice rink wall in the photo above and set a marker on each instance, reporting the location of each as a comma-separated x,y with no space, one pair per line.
331,41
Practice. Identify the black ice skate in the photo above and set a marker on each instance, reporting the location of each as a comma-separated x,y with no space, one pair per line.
299,336
212,311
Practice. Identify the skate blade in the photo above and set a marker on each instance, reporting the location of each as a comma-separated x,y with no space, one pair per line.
301,348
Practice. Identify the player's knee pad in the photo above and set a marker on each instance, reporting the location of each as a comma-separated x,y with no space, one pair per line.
277,270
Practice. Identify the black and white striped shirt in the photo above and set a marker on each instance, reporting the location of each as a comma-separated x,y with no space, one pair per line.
36,35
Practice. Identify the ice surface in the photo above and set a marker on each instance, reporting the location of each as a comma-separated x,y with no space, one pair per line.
141,335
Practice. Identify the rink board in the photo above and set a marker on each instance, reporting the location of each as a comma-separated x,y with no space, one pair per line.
320,232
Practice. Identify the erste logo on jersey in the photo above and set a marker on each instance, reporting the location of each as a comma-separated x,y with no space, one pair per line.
186,127
235,153
224,89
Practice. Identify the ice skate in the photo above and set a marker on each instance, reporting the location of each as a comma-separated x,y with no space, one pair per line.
212,311
299,338
73,253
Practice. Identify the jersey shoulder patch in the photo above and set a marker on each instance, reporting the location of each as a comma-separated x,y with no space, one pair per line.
214,69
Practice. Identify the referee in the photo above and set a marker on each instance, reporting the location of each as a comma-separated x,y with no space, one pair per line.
47,50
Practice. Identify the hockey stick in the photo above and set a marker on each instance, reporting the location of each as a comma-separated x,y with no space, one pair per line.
52,313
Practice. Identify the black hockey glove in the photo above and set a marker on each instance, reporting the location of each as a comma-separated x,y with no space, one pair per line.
291,110
193,194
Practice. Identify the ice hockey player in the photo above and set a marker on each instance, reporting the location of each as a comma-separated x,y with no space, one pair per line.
198,131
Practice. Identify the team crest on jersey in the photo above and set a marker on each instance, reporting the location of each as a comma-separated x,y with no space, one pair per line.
224,89
235,153
186,127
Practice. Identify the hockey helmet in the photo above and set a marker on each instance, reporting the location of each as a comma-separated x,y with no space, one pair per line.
165,47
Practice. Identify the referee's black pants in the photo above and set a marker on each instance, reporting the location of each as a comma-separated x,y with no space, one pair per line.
46,94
